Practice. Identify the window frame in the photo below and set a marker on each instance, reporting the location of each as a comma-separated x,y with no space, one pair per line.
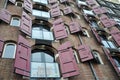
19,2
12,19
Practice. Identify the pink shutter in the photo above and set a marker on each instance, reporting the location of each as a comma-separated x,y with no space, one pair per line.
28,5
12,1
62,1
60,31
114,31
55,6
22,59
116,37
103,10
65,45
104,17
5,15
97,11
26,24
85,53
90,2
107,53
58,21
112,22
74,27
1,46
68,64
55,12
52,1
96,35
68,10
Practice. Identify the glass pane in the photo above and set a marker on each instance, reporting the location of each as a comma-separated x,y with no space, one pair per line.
36,33
105,44
94,24
36,13
9,51
45,14
48,35
88,12
41,1
15,22
36,57
111,44
48,58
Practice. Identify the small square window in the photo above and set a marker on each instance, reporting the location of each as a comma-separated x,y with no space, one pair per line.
15,21
19,4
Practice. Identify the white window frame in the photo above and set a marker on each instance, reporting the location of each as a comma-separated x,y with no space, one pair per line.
19,2
13,20
76,56
5,49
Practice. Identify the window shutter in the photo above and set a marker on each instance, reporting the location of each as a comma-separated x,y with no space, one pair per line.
55,12
1,46
26,24
85,53
22,59
12,1
62,1
58,21
114,31
55,6
103,17
60,31
90,2
116,37
74,27
99,10
5,15
68,10
68,64
28,5
112,22
96,35
107,53
103,10
52,1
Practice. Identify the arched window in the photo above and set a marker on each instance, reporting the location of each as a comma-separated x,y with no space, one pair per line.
15,21
117,61
9,50
85,33
41,32
19,3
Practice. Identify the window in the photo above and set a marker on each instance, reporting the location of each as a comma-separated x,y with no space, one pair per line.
88,12
117,20
19,4
39,13
9,50
110,10
44,66
108,44
41,32
85,33
97,57
93,24
15,21
41,1
117,61
78,16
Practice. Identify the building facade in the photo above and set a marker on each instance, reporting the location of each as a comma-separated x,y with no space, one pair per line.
59,40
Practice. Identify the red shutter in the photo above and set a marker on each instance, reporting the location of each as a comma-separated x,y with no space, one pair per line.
103,17
28,5
55,6
60,31
116,37
62,1
55,12
90,2
22,59
114,31
5,15
99,10
1,46
74,27
26,24
96,35
96,11
85,53
12,1
65,45
68,64
52,1
112,22
58,21
68,10
103,10
107,53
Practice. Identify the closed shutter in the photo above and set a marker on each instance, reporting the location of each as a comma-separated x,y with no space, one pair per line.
12,1
112,22
54,6
52,1
114,31
74,27
107,53
58,21
96,35
5,15
68,64
26,24
22,59
99,10
103,17
1,46
116,37
55,12
28,5
90,2
85,53
60,31
68,10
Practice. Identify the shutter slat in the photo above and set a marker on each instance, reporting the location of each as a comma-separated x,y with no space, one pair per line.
28,5
85,53
7,15
22,59
12,1
74,27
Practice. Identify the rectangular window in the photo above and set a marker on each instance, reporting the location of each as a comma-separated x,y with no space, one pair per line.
41,1
108,44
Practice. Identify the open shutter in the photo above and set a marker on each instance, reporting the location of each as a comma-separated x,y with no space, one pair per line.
28,5
58,21
22,59
96,35
90,2
85,53
114,31
68,64
12,1
55,12
1,46
26,24
107,53
99,10
68,10
116,37
52,1
60,31
74,27
5,15
112,22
